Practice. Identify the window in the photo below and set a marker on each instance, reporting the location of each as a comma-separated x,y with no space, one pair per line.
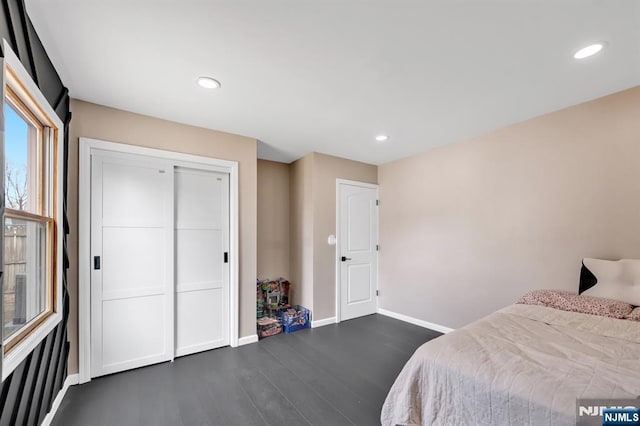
31,259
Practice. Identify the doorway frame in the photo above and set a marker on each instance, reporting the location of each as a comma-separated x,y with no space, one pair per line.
339,182
89,146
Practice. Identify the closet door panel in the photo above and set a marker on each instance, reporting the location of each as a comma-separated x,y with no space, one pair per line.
197,251
197,309
202,275
132,285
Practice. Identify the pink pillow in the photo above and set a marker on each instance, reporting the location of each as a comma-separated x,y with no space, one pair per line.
567,301
634,315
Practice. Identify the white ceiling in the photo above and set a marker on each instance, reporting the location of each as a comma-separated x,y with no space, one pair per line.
327,76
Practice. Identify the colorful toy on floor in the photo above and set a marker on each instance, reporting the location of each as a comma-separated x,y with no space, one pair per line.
272,296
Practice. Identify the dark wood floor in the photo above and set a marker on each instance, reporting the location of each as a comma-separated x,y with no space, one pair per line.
333,375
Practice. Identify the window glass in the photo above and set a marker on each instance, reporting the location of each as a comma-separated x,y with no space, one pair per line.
25,276
20,163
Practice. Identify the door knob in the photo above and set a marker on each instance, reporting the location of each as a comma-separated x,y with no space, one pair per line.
344,258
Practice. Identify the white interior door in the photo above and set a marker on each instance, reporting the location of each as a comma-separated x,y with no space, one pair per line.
132,271
357,249
202,268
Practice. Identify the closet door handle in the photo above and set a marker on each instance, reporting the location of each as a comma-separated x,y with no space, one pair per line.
344,258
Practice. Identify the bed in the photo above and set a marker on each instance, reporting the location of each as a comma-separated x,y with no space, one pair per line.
526,364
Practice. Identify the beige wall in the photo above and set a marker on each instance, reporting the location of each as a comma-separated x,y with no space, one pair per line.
301,231
90,120
273,220
313,219
468,228
326,169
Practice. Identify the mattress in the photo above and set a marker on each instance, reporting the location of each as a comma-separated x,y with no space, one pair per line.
522,365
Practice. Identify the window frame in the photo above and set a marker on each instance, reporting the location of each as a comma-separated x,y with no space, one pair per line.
16,82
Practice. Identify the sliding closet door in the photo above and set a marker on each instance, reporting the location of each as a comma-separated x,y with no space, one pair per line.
202,268
132,270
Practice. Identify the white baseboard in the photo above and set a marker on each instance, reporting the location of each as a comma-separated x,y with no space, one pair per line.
322,322
247,340
71,380
415,321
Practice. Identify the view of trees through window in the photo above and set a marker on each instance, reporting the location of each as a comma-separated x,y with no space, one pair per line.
16,158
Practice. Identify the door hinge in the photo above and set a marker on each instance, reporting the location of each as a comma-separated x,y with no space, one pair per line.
377,292
377,247
96,262
226,257
377,202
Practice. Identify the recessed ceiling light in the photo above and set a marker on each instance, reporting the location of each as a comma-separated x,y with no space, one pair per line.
590,50
382,138
208,83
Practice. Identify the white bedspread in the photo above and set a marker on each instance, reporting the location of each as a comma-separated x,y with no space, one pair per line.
522,365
